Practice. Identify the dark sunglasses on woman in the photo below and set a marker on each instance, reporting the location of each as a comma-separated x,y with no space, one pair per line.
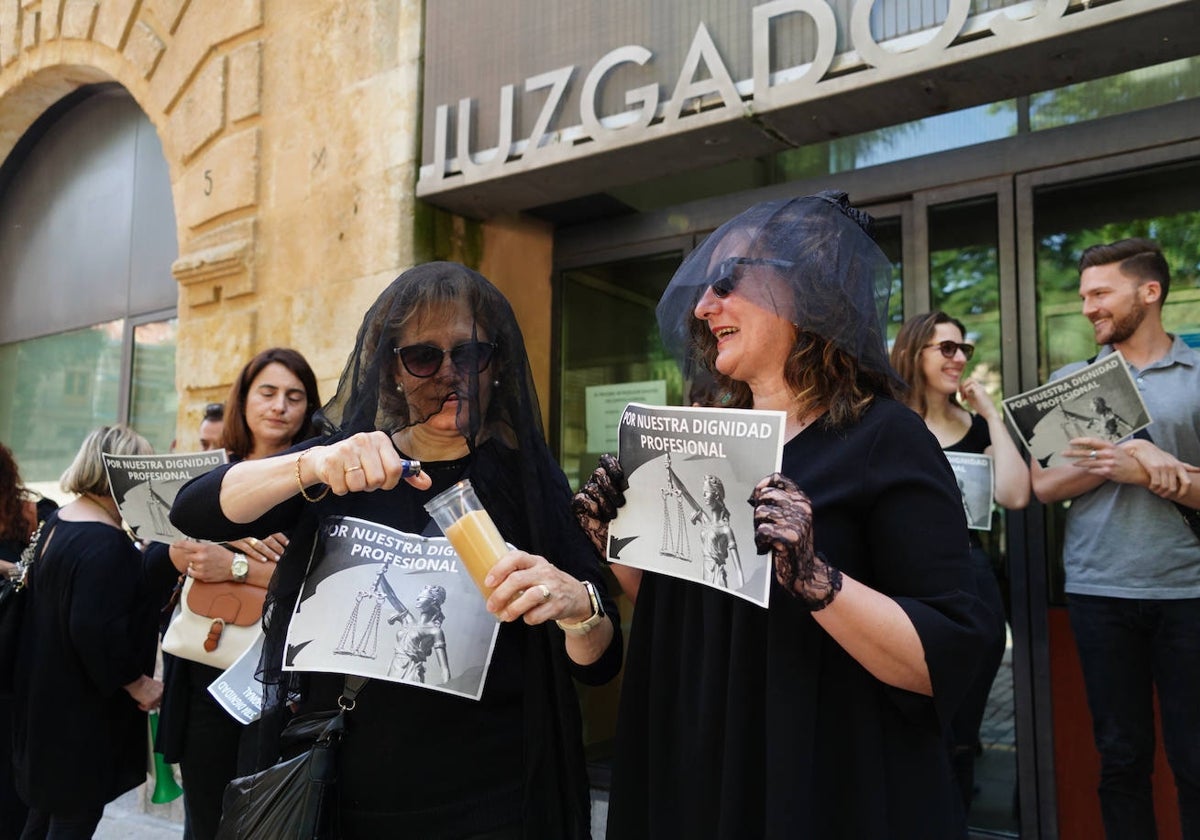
949,348
424,360
729,272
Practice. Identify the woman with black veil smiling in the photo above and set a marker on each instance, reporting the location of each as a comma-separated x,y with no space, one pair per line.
439,374
821,716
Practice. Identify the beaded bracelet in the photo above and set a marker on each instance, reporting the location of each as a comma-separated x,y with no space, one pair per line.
300,482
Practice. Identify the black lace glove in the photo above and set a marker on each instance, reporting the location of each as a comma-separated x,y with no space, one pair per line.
598,499
783,525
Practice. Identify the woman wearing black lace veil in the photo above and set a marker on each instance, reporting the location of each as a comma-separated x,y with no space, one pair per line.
439,373
821,716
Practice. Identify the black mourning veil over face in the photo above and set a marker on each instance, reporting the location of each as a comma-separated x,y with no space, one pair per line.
809,260
439,337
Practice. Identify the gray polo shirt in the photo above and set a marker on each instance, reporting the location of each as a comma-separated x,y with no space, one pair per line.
1122,541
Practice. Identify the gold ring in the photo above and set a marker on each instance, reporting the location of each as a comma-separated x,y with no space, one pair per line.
352,469
253,541
545,591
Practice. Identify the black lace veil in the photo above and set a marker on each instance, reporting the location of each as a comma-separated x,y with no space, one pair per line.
510,461
367,397
836,280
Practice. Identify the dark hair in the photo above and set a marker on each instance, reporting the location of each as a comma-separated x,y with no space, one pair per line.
13,524
915,333
1138,258
817,371
215,412
237,437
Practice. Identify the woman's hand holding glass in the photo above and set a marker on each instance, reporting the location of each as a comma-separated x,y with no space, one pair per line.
364,462
530,587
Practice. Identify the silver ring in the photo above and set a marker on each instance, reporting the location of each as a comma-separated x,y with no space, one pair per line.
545,591
1092,454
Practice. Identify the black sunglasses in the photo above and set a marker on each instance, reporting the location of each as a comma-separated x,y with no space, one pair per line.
949,348
728,276
424,360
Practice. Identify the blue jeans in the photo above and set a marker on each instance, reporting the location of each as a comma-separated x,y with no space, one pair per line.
1128,648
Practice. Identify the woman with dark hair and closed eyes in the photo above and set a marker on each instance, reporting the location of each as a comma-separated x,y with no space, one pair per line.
822,716
270,408
931,354
438,374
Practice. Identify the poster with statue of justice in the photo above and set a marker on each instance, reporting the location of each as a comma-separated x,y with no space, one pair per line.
690,471
390,605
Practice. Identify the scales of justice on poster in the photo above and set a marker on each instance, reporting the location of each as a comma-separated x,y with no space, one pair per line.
409,608
689,472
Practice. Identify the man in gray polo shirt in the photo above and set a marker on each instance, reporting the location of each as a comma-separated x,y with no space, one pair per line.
1132,562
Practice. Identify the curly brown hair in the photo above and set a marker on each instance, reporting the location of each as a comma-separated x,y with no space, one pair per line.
13,523
817,371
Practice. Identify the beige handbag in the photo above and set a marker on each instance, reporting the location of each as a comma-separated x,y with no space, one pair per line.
215,623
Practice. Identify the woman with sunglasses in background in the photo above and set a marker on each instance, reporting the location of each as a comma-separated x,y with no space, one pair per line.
269,409
930,354
438,374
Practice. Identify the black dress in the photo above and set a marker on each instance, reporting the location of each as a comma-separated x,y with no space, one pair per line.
964,728
430,763
80,740
737,721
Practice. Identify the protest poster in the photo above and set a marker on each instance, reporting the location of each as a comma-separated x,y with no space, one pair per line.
389,605
144,487
974,476
238,690
1099,400
690,471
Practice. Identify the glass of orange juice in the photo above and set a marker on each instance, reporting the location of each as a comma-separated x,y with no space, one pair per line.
469,529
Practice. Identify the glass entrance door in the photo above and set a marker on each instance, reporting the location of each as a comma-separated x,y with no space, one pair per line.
963,264
1060,212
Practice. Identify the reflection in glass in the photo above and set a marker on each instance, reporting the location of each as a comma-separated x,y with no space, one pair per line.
1159,203
888,236
153,400
964,277
57,389
609,337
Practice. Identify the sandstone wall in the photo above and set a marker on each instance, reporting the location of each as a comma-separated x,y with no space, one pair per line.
290,129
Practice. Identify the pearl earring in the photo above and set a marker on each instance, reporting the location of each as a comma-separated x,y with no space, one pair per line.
399,388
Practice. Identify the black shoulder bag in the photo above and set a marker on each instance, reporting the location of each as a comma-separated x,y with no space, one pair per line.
295,798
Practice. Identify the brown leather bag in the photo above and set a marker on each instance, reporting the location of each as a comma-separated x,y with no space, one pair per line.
240,604
215,623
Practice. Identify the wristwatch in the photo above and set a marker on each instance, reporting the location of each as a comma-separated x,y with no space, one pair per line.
240,568
582,628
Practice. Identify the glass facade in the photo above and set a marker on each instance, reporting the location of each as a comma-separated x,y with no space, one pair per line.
1147,87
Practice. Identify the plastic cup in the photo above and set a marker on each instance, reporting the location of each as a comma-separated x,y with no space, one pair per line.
469,529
